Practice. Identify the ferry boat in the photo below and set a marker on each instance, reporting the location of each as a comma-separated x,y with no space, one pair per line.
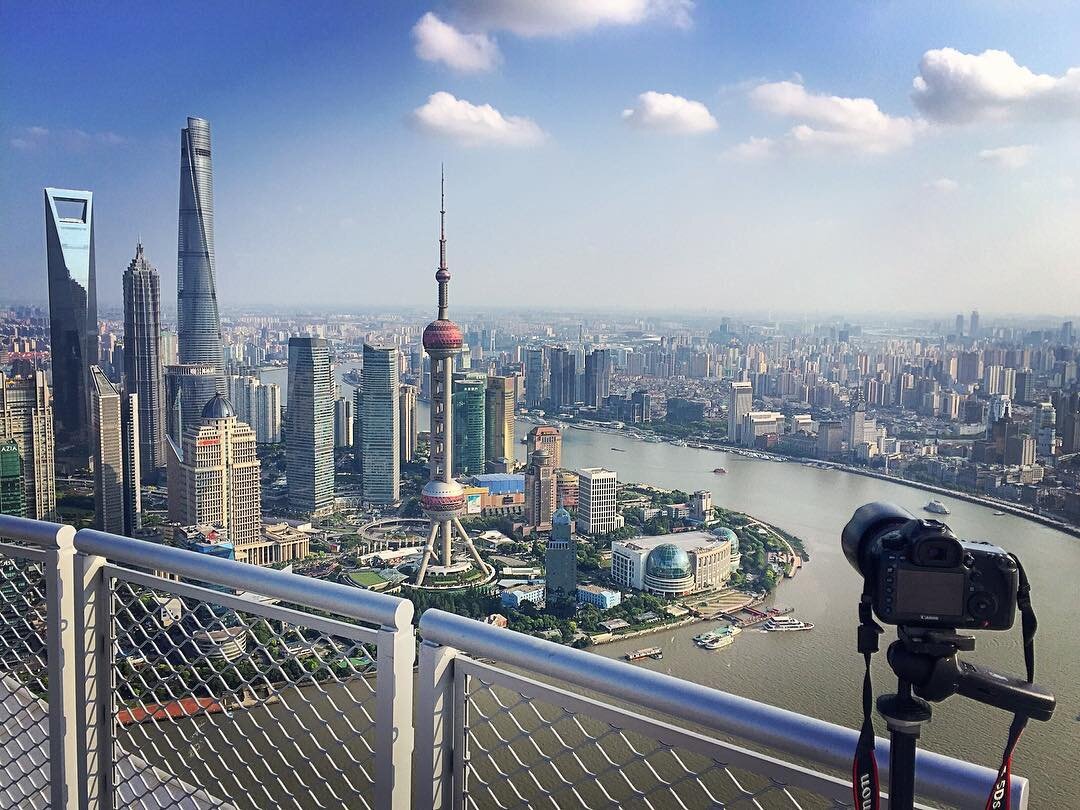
728,632
937,507
648,652
719,642
778,624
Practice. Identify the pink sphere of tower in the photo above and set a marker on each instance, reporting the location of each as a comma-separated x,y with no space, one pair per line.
442,337
442,500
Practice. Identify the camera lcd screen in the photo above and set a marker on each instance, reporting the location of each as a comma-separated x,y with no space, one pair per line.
931,593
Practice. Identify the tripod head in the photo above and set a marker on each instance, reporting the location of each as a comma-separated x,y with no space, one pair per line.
928,660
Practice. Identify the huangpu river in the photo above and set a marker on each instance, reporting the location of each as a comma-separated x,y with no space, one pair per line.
818,672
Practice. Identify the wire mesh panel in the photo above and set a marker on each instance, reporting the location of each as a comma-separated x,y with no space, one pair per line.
256,705
24,732
531,745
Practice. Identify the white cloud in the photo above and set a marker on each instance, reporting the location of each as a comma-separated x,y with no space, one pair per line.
540,18
668,113
475,124
946,185
854,124
438,41
752,149
1008,157
954,87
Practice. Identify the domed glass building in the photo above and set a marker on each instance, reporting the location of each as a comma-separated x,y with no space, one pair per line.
668,571
724,533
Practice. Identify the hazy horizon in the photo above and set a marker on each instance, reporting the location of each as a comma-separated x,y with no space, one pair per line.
642,156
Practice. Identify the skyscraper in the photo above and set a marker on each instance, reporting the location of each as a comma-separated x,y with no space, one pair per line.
379,425
343,422
143,367
563,366
115,443
12,501
407,422
547,437
960,325
973,326
598,369
540,487
268,414
560,557
598,510
26,416
499,401
443,499
536,377
187,390
469,418
309,440
199,325
69,240
214,479
740,403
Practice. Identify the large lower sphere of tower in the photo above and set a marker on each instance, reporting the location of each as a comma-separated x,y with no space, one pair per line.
442,338
442,500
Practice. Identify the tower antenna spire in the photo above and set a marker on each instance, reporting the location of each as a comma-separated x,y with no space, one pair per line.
442,275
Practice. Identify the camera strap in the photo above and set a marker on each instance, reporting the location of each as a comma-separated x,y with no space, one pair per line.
865,785
1000,795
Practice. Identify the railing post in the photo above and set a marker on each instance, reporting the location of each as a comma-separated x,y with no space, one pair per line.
63,665
395,655
433,773
93,600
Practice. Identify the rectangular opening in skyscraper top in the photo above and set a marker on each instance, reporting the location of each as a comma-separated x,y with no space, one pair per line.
70,210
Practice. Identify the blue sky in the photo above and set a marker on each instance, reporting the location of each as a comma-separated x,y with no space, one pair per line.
718,156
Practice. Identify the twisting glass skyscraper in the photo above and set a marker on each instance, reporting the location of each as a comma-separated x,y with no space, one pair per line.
69,241
197,309
143,369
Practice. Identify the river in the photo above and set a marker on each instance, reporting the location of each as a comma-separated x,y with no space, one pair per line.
819,672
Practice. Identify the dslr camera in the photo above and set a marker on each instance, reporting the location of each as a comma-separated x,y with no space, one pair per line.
919,574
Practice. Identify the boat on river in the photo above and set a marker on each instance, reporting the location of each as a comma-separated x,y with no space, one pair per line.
937,507
720,471
783,624
618,449
648,652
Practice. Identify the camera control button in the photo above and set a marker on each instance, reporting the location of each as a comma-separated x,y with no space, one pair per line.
982,605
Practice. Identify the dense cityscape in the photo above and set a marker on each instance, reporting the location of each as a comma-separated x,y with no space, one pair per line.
341,547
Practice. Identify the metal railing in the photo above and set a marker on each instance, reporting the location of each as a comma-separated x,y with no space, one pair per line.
122,685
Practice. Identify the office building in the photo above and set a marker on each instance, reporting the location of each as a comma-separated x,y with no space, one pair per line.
1025,386
1044,429
407,428
144,371
830,438
214,478
309,442
539,491
599,367
12,499
443,498
672,565
26,417
536,378
499,407
960,325
603,598
683,411
469,422
546,437
114,423
758,425
73,327
560,556
974,323
199,324
343,422
566,488
170,345
740,403
598,509
380,426
701,505
562,377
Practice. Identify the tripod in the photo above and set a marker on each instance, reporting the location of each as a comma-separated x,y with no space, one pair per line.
927,669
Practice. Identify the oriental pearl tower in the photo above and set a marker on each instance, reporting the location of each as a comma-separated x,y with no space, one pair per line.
442,498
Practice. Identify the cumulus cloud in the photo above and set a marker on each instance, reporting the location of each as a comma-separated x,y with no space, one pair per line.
475,124
669,113
438,41
1008,157
835,122
545,18
946,185
752,149
954,87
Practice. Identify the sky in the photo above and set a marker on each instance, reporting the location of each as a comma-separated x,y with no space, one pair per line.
711,156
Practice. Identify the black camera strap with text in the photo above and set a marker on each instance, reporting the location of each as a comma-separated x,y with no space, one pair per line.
865,784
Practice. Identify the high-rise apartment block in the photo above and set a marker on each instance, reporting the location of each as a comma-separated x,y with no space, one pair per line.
214,479
380,426
143,366
598,509
407,427
114,434
199,323
69,240
469,418
26,417
309,442
499,407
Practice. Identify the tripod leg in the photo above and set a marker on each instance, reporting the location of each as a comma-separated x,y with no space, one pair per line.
902,767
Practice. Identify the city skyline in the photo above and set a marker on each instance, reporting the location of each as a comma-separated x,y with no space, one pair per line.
940,177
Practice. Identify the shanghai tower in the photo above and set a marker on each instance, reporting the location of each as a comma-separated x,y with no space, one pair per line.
199,325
